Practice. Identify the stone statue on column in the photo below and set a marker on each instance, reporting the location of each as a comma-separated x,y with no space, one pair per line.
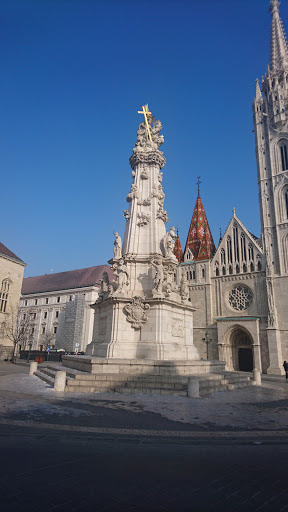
117,246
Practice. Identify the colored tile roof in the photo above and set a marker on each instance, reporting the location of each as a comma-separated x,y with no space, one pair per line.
6,252
199,239
66,280
178,249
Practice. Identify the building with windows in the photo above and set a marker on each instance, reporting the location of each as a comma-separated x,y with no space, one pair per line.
240,289
60,307
11,277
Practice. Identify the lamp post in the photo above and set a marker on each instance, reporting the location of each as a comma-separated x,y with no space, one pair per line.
30,343
207,341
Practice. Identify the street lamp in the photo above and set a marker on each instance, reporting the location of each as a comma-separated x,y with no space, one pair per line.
207,341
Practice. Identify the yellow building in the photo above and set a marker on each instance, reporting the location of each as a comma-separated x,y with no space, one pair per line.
11,277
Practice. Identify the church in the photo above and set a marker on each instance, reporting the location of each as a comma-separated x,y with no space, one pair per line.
240,289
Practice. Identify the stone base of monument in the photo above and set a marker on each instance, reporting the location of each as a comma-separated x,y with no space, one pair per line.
197,379
98,365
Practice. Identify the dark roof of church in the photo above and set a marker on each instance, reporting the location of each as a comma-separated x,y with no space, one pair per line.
6,252
65,280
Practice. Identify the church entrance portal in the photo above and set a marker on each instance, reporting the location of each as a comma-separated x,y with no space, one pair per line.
245,359
240,355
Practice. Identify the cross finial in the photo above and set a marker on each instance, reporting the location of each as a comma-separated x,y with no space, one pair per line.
198,183
147,115
234,211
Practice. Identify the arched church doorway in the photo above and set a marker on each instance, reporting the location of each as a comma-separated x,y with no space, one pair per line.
245,356
242,350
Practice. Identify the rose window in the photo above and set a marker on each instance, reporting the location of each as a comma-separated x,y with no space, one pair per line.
240,298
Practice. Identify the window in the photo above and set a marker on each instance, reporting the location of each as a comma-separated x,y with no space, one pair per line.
33,316
26,302
235,238
243,247
32,330
250,252
223,257
229,249
190,275
284,156
54,330
194,274
46,300
58,299
45,314
203,272
24,317
36,302
286,202
57,314
70,298
43,330
4,295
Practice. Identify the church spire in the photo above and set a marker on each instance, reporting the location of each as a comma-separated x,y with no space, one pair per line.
279,51
178,249
258,93
199,242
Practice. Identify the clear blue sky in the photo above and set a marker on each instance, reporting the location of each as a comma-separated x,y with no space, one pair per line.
74,74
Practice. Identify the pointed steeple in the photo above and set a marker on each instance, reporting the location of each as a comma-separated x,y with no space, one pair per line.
178,249
258,93
279,51
199,240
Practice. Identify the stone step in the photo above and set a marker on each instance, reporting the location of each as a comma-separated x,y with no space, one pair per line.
217,389
112,383
149,391
45,378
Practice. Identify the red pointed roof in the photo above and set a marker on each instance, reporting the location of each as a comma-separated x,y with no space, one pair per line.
178,249
199,239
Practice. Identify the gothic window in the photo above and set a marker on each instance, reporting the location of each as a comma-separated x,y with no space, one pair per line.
223,271
216,268
229,249
250,252
244,267
188,256
235,238
286,201
237,269
240,298
230,269
188,275
284,155
259,266
251,267
243,247
223,257
203,272
4,295
194,274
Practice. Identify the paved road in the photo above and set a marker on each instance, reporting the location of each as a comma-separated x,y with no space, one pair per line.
79,472
111,453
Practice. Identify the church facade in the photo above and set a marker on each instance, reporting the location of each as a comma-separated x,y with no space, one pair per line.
240,289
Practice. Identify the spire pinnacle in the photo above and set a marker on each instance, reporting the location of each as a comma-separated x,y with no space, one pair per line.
198,183
199,240
279,51
258,94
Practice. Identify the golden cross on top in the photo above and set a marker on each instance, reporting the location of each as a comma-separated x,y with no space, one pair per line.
145,111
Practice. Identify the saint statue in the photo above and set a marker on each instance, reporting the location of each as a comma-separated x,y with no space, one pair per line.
117,246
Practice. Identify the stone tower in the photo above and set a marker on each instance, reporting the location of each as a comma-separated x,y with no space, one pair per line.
143,314
270,112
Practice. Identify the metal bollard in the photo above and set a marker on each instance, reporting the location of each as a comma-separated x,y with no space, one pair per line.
33,367
257,378
60,381
193,387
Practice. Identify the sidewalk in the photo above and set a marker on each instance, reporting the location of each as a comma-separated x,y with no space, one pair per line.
246,413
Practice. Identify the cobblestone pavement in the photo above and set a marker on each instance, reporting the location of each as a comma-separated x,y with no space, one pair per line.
111,452
27,401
